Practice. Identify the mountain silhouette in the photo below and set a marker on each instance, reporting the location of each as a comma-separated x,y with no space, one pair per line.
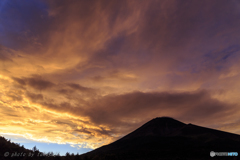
162,126
165,138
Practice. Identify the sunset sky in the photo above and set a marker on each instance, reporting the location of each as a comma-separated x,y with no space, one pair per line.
79,74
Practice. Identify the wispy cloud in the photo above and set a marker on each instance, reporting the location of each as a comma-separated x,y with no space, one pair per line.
88,72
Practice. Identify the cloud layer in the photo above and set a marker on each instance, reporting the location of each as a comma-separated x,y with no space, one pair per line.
89,72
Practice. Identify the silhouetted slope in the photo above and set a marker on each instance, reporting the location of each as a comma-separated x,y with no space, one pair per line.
192,130
166,138
10,147
162,126
13,151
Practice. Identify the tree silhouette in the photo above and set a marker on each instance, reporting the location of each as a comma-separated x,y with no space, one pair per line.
67,154
34,149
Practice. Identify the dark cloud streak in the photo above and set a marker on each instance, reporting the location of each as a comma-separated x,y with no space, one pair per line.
131,109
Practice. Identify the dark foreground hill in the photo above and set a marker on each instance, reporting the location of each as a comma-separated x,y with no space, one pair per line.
8,148
13,151
168,139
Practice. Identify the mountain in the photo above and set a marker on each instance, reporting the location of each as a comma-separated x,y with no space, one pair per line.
165,138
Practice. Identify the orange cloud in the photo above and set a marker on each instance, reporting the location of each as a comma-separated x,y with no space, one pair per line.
88,72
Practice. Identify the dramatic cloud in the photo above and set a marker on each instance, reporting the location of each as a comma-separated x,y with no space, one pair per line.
88,72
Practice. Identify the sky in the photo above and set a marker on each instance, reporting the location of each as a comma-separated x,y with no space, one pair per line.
80,74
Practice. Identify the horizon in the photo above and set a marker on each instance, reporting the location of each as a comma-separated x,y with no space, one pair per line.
62,149
77,75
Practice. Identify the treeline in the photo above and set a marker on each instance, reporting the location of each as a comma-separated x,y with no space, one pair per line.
14,151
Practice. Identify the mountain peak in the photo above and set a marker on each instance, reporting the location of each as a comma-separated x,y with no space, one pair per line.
167,138
160,126
164,120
